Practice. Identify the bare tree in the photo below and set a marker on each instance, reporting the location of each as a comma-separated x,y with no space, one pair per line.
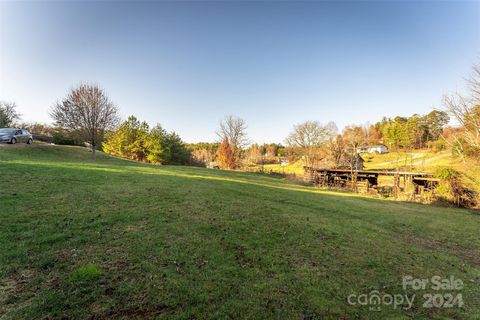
88,111
354,137
309,136
466,110
336,148
235,131
253,155
8,114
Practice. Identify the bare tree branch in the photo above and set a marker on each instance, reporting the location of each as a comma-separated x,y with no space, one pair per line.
309,136
235,131
466,110
88,111
8,114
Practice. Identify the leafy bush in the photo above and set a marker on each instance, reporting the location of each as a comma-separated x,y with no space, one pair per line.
453,189
63,137
43,138
438,145
202,153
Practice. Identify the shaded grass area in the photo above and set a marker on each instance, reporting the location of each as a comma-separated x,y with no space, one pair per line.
118,239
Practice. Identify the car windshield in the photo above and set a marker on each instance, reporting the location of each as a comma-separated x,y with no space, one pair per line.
6,130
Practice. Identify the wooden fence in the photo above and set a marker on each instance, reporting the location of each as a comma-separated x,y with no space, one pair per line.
413,183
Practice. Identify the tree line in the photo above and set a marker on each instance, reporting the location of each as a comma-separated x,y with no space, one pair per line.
87,115
323,144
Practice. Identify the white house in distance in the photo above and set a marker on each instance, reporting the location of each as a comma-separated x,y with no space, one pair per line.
380,148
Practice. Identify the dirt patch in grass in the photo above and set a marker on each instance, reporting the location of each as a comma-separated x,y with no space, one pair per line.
470,255
13,288
135,313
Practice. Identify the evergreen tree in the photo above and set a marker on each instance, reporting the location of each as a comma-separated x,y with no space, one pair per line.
129,140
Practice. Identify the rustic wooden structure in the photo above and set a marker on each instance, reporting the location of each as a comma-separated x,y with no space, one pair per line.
414,183
350,162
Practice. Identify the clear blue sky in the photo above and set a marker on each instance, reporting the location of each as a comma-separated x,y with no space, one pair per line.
188,64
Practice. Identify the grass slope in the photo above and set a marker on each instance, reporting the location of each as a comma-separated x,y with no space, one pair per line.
118,239
419,160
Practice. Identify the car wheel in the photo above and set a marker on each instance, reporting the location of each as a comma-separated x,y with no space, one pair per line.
29,141
13,141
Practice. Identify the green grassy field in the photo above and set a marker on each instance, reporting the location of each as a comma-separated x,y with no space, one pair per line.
291,168
418,160
119,239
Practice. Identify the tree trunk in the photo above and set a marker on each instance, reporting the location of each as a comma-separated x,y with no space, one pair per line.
94,149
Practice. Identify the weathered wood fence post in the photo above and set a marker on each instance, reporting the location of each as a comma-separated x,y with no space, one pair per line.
396,185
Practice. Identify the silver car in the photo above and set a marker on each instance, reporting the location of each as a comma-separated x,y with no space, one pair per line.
13,136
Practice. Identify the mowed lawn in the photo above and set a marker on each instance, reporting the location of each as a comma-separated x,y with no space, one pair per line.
118,239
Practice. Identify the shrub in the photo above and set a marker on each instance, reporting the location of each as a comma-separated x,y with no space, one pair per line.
62,137
453,189
202,153
200,157
43,138
438,145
